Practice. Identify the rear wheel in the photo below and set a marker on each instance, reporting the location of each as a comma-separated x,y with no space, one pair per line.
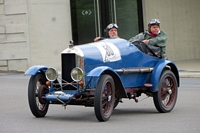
116,102
104,98
165,98
36,92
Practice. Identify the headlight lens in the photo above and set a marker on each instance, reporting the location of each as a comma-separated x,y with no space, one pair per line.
77,74
51,74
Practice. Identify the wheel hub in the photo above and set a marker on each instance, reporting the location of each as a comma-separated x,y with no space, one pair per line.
170,91
41,94
109,98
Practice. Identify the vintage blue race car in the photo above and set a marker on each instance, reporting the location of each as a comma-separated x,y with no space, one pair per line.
99,74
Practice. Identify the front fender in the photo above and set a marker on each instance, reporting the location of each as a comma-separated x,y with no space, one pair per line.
156,74
94,75
34,69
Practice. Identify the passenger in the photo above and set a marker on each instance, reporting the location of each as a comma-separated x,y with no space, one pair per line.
153,38
111,32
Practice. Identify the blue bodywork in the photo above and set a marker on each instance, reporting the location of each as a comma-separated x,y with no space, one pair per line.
131,57
110,55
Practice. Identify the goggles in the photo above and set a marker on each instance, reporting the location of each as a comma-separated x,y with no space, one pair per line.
154,21
110,26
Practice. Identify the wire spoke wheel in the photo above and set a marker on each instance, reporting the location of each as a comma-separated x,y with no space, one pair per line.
165,98
104,98
36,92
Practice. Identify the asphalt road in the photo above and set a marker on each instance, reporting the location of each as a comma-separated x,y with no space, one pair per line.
128,117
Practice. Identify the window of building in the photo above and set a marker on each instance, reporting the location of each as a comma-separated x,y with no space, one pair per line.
90,18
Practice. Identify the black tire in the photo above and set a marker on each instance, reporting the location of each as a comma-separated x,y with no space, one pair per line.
116,102
104,98
165,98
37,108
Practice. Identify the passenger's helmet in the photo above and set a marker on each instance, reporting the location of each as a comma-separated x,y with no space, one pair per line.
154,22
110,26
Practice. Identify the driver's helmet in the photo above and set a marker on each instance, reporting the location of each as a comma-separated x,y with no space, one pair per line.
154,22
110,26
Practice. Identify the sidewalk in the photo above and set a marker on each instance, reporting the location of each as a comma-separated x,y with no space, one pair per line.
188,68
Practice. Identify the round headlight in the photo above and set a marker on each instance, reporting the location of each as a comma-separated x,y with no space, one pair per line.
77,74
51,74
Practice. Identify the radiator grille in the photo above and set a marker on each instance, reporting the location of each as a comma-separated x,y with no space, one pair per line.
68,63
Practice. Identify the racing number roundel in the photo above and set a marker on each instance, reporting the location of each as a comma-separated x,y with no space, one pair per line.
109,52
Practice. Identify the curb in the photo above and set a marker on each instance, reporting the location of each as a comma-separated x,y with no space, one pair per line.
189,73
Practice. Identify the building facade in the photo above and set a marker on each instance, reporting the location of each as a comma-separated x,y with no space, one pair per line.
35,32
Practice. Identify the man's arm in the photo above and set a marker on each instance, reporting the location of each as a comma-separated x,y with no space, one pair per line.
98,39
138,37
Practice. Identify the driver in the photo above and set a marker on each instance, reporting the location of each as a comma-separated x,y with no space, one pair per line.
153,36
111,32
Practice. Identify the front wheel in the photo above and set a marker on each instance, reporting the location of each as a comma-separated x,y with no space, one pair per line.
165,98
104,98
36,92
